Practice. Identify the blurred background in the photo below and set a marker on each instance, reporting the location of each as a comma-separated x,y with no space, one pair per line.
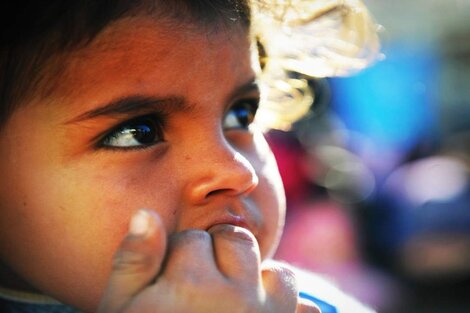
377,174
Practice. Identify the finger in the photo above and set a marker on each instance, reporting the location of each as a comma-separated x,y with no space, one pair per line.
137,261
236,252
190,256
305,306
280,286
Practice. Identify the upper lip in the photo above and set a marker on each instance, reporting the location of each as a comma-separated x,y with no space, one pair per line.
238,213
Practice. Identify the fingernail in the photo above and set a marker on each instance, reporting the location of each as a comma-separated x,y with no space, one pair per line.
139,224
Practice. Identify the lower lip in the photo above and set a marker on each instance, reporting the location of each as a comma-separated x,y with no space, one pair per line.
235,221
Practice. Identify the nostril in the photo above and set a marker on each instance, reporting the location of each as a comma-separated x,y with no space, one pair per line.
216,192
246,189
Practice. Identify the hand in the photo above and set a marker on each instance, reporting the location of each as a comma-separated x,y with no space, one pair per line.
214,271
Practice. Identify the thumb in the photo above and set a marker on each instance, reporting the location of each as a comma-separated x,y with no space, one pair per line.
137,261
305,306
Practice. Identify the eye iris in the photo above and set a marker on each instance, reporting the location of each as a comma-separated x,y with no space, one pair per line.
140,132
144,133
244,115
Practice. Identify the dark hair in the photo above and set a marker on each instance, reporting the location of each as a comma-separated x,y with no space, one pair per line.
34,33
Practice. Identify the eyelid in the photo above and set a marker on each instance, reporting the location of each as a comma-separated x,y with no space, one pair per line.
253,97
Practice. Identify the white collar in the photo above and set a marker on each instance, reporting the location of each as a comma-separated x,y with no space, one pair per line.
26,297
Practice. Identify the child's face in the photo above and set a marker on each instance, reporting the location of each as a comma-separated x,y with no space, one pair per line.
75,169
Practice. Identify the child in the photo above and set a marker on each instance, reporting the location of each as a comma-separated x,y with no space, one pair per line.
134,176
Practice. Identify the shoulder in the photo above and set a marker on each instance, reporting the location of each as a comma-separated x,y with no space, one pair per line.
326,295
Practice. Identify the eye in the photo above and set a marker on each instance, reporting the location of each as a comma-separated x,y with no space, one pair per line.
140,132
241,114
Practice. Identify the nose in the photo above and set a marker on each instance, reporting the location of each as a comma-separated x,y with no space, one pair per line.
221,170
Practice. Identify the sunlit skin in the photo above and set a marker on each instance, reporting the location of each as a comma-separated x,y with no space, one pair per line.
66,199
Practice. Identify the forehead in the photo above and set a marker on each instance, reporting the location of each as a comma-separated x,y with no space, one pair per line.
141,55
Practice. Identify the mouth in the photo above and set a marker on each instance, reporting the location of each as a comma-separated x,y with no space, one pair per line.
244,214
232,219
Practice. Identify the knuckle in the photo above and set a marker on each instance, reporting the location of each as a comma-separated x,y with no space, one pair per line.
283,276
281,286
233,232
289,278
188,237
305,307
248,305
194,279
132,262
285,272
249,300
251,307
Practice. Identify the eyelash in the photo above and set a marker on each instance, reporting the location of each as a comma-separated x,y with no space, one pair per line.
150,128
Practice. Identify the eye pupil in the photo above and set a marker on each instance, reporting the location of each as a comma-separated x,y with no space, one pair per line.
244,115
241,115
140,132
144,133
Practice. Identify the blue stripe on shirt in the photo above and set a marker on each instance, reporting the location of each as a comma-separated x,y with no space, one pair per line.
324,306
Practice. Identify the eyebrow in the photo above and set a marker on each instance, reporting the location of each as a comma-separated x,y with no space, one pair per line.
138,103
133,104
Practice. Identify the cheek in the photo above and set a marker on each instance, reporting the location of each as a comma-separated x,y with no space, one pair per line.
64,237
269,195
272,209
69,222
